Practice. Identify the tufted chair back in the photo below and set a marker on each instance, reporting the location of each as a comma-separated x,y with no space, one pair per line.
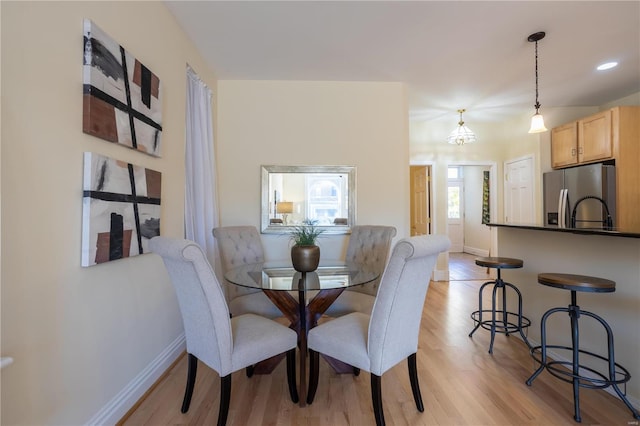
239,245
369,246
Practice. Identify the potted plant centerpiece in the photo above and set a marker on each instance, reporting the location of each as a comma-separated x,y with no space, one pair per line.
305,254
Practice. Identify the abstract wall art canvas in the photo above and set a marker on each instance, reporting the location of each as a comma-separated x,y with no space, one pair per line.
120,209
122,99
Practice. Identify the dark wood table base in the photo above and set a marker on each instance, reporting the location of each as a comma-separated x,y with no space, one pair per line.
302,317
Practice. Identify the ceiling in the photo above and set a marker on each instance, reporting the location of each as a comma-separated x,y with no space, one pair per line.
450,54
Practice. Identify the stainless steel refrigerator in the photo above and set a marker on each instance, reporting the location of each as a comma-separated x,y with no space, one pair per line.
580,197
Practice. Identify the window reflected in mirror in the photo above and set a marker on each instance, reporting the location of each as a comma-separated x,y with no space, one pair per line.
293,194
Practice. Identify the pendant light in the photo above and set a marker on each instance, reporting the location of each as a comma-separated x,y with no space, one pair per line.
461,134
537,121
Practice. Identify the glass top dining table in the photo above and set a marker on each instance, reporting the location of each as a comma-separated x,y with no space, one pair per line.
277,277
278,282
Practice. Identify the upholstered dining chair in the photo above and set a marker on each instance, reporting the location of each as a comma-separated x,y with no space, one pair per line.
225,344
368,247
379,341
240,245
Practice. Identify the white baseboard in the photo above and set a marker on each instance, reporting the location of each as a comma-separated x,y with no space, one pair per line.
440,275
475,251
120,404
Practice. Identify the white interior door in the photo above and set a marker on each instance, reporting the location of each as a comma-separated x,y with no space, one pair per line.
519,203
455,214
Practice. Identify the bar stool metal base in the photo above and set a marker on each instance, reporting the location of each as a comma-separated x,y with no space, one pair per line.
500,320
570,371
513,323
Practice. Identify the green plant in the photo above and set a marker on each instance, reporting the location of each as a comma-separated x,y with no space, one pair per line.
306,234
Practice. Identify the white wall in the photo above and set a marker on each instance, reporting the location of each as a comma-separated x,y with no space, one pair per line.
477,236
631,100
79,336
314,123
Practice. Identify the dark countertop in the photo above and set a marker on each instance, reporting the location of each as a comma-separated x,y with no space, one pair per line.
569,230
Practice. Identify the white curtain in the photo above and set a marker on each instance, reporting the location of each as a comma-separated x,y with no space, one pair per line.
201,197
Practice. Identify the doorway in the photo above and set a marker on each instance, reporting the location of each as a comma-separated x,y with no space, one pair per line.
470,199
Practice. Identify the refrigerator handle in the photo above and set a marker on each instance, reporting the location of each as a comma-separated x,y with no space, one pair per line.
560,215
562,208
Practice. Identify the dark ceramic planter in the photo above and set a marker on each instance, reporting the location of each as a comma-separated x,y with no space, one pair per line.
305,258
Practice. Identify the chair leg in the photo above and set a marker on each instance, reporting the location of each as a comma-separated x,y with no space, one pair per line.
376,396
413,378
191,380
314,372
291,375
225,397
249,370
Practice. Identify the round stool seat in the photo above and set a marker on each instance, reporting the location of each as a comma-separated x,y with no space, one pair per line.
499,262
577,282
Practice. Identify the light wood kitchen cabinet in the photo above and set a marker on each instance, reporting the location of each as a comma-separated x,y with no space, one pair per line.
594,137
564,145
611,136
625,124
584,141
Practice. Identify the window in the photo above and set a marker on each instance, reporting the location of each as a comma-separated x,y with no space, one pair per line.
453,199
454,176
326,196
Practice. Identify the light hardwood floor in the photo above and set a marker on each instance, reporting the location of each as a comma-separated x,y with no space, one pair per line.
462,267
461,383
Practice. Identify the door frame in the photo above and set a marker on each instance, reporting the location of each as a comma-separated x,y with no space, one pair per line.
493,188
441,273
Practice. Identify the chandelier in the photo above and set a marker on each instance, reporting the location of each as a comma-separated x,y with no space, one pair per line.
461,134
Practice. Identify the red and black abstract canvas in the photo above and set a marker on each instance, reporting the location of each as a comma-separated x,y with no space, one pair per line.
120,209
122,100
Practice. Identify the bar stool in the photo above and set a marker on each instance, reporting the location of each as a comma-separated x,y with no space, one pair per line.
500,317
616,373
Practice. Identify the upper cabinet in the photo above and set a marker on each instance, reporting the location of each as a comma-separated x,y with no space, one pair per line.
564,145
595,137
587,140
611,135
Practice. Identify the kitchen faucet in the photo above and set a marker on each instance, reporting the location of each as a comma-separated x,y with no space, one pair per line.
607,223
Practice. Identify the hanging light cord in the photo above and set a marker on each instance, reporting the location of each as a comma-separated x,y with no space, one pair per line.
537,105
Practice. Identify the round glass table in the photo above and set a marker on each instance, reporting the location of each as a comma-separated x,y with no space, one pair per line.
316,291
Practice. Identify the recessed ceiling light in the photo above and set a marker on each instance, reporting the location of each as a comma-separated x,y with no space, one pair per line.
606,66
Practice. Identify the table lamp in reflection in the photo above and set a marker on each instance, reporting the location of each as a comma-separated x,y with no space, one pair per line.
284,208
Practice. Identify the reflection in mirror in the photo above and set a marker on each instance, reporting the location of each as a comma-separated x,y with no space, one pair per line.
292,194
